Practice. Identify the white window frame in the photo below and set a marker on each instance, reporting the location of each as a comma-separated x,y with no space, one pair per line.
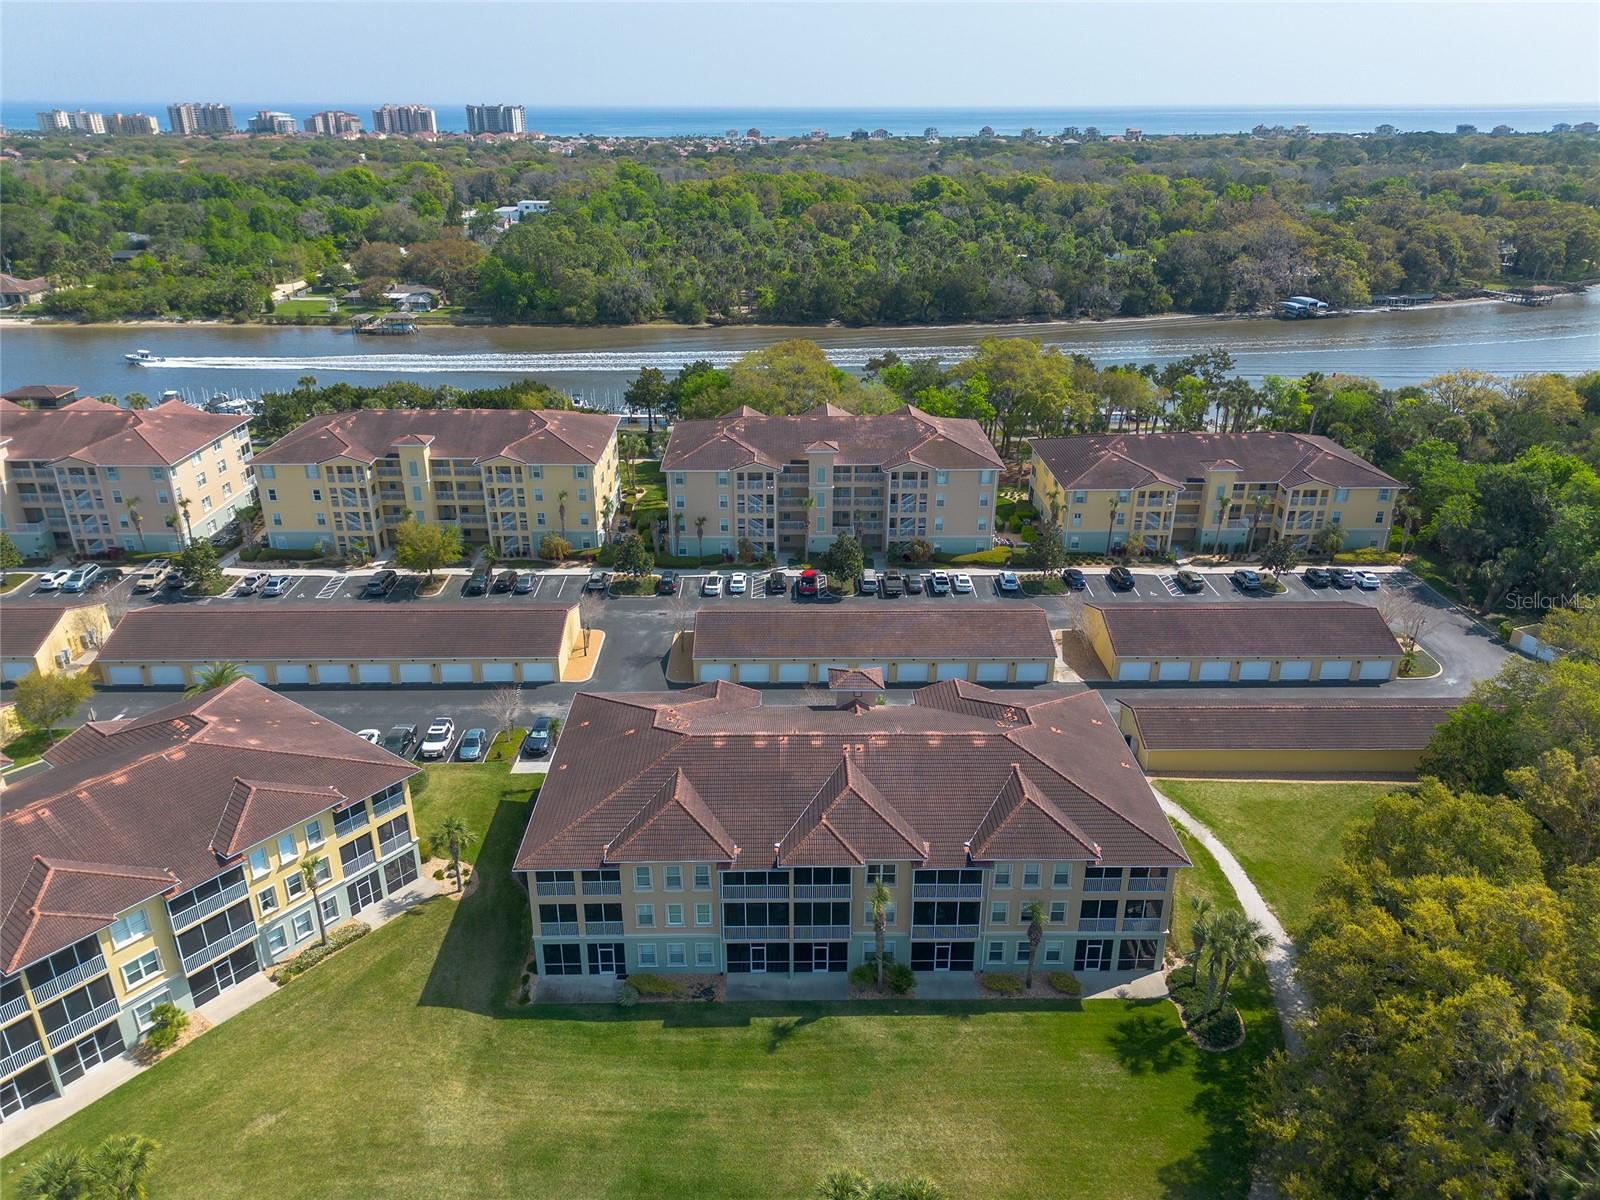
647,954
127,922
643,879
674,922
153,957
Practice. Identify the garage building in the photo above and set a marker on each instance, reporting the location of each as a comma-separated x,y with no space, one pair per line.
1335,641
48,637
1370,737
1009,643
164,646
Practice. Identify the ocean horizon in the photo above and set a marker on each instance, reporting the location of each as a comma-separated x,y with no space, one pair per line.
693,121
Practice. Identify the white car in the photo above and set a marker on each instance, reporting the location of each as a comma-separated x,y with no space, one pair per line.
436,742
1009,582
51,581
277,585
711,585
736,583
1367,581
962,582
939,583
81,579
375,736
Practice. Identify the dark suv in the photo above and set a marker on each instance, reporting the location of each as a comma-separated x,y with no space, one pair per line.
400,740
477,583
1317,577
1120,578
537,742
382,583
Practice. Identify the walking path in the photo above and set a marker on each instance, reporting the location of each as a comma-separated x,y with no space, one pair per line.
1293,1004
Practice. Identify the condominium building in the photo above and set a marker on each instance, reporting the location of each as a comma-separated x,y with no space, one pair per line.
132,125
200,120
790,485
90,476
159,858
506,477
59,120
703,831
495,118
1165,491
270,122
334,123
404,119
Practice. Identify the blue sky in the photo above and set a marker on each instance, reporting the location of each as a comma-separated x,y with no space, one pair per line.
761,53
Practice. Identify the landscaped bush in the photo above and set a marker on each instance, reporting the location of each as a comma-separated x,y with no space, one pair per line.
864,976
257,554
306,959
900,978
627,995
167,1023
1506,630
1003,983
1367,556
1215,1030
995,556
1065,982
652,985
439,874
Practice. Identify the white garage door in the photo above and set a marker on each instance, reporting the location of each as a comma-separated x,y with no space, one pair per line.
256,671
755,672
1334,668
950,670
1294,668
166,676
125,676
538,672
455,672
1215,672
1133,670
333,673
1173,672
499,672
1033,672
1376,669
293,673
416,672
15,670
794,672
993,672
1254,671
911,672
373,673
711,672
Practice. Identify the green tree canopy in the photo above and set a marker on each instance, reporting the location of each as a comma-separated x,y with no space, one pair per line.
419,547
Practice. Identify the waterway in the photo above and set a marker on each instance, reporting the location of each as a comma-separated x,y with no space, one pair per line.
597,364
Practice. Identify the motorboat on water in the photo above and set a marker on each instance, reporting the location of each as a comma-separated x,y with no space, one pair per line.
143,358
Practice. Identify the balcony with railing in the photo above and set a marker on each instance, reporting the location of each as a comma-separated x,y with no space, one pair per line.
788,526
392,844
67,980
1102,885
822,891
755,891
357,862
598,887
755,933
202,910
61,1035
13,1009
821,933
1141,925
563,928
1097,924
602,928
13,1063
944,932
947,891
1147,885
560,888
212,950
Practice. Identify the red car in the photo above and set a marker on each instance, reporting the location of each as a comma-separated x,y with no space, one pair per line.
812,583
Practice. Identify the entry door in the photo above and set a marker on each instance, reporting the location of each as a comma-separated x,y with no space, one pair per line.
758,960
604,959
819,956
941,956
364,891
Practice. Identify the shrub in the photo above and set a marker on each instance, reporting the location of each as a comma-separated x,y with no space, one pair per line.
917,550
865,975
167,1023
423,853
439,874
627,995
306,959
1002,983
1367,556
652,985
554,548
1506,630
1065,982
900,978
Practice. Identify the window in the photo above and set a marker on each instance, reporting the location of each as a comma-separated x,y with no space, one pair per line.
130,928
266,471
675,957
324,871
938,499
1080,496
702,878
259,865
161,496
674,878
999,913
983,524
1052,952
313,834
158,472
116,496
200,478
1092,955
112,473
322,520
644,915
302,925
293,886
702,915
227,490
313,471
647,955
316,494
141,1012
674,914
277,939
1030,875
997,952
1340,495
985,476
677,478
580,473
1136,955
642,881
1383,493
1058,911
938,524
722,525
1061,875
883,873
287,851
1024,951
705,954
146,966
722,501
822,474
1335,517
1002,875
330,908
267,899
1378,520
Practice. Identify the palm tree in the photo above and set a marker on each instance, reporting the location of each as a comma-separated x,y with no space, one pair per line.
1200,913
120,1166
677,532
1223,505
309,871
1261,502
188,526
214,675
1407,514
561,510
55,1175
607,510
1232,941
1035,914
138,521
700,532
880,924
454,836
1111,523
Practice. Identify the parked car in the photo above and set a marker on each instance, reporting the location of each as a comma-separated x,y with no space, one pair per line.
436,742
811,583
477,583
1344,577
1190,581
537,742
400,739
711,585
250,584
737,583
1246,580
1074,579
1316,577
471,747
869,582
277,585
523,587
81,579
667,584
894,585
229,535
961,582
504,582
151,576
382,583
939,583
916,583
777,583
1367,581
176,580
109,577
1120,578
598,581
1008,582
51,581
375,736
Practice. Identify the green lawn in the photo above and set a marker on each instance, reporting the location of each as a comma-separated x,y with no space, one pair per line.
395,1068
1285,835
26,747
652,506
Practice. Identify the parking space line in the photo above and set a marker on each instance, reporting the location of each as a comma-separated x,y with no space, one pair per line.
1206,579
331,589
538,582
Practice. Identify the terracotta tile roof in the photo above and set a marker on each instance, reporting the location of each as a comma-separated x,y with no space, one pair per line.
24,627
824,633
39,391
342,633
905,437
157,800
790,783
523,435
855,679
92,431
1353,725
673,826
1124,460
1314,629
1021,818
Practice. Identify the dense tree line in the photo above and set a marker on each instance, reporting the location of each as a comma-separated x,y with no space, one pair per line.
969,229
283,411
